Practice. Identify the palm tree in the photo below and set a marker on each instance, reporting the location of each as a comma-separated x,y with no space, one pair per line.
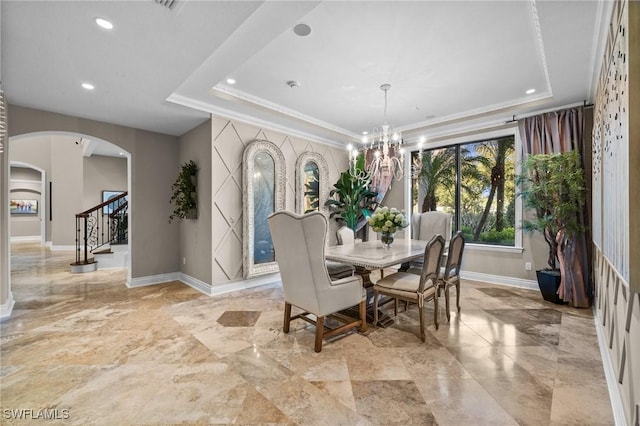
496,152
438,171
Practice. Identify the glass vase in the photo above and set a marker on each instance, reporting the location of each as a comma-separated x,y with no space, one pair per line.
386,238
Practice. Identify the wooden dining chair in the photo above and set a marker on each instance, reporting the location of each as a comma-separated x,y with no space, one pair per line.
415,288
299,242
450,276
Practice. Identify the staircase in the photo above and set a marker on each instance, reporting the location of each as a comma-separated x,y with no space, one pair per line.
99,230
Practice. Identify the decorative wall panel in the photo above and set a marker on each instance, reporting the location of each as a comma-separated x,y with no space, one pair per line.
229,141
610,152
618,302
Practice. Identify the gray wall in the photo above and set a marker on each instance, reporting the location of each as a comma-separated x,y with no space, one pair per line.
152,240
195,234
102,174
66,175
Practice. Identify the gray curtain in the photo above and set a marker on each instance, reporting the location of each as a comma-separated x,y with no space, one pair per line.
557,132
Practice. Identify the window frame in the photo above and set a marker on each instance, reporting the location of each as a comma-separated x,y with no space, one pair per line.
445,142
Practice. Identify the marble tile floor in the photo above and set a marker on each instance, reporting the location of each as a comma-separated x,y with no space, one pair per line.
100,353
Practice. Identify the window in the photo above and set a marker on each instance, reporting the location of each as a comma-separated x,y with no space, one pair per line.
475,182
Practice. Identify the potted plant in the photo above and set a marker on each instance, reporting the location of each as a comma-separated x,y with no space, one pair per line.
352,200
552,185
184,194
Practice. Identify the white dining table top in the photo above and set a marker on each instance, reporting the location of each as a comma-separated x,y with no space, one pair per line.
372,255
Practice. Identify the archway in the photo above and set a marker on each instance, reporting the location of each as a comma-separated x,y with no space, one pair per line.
90,148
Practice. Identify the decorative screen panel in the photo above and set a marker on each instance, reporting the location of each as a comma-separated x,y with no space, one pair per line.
610,153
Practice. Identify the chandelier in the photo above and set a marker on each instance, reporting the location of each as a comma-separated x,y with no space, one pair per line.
387,161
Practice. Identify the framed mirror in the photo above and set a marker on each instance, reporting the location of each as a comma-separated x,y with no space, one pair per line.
312,183
263,180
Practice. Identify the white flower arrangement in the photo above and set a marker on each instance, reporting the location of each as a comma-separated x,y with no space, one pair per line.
386,219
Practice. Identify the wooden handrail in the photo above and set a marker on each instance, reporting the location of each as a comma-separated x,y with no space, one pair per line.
101,205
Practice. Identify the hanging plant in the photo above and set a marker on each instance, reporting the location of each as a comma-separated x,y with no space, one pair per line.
184,194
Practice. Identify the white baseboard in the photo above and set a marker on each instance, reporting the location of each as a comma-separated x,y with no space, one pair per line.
500,279
196,284
25,238
153,279
48,244
7,308
63,248
201,286
612,384
244,284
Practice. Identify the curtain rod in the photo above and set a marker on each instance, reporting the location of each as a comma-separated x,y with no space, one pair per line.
584,104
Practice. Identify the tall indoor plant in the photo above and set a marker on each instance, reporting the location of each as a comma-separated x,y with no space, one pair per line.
353,201
552,185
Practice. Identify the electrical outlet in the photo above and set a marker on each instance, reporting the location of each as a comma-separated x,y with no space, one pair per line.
184,260
527,266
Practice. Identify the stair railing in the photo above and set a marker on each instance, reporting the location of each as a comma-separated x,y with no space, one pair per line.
110,216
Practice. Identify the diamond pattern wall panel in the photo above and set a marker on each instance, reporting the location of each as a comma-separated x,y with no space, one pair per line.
229,141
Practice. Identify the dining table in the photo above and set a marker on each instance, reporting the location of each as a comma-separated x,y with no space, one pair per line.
373,255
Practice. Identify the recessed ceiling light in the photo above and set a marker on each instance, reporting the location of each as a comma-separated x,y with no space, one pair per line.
530,91
231,81
302,30
104,23
88,86
364,132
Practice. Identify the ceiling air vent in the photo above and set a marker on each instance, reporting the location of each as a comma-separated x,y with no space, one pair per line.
169,4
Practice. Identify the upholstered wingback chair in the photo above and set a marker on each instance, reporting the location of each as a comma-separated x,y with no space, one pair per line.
299,242
345,236
426,225
423,227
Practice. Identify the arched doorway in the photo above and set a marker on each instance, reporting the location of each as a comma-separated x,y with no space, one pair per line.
76,168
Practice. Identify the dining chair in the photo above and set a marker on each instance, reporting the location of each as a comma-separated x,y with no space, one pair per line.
424,226
415,288
299,242
345,235
450,275
338,270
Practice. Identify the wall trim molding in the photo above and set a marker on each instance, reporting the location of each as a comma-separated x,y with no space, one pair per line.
231,286
26,238
201,286
62,248
609,372
6,309
153,279
250,120
196,284
500,280
243,284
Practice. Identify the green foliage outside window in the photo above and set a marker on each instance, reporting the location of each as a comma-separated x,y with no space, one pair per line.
476,183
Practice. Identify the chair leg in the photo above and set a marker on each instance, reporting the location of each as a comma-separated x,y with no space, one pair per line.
421,310
375,308
435,311
458,294
446,302
319,333
395,307
363,316
287,317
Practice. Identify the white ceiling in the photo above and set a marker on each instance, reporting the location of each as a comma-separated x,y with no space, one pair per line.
165,70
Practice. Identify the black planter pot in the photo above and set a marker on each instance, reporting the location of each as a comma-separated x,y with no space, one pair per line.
549,282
